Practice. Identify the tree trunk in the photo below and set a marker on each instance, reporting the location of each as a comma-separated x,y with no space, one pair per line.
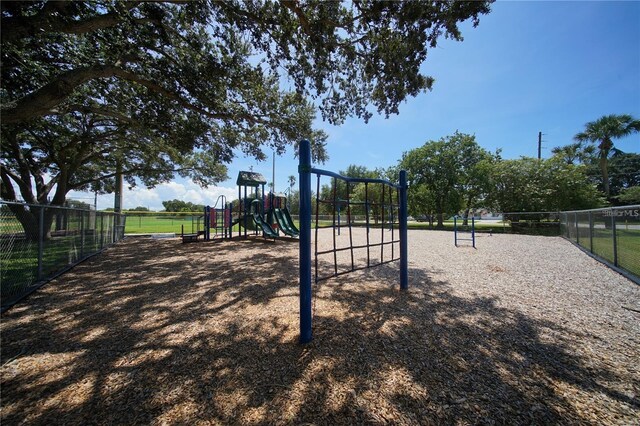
604,168
29,218
440,224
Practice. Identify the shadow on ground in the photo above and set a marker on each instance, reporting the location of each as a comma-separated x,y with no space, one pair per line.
153,332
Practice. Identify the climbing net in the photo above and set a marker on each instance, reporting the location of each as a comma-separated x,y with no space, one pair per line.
359,197
363,215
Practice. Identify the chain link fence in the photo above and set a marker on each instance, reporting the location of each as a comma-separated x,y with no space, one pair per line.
39,242
611,234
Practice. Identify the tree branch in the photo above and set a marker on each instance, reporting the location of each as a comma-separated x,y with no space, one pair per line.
42,101
105,112
126,172
293,6
25,188
19,27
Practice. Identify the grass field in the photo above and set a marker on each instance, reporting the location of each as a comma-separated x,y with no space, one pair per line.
173,224
19,266
627,245
163,224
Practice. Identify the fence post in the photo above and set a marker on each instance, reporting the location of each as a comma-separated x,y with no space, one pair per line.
40,240
615,238
590,232
404,260
81,235
101,230
304,173
575,220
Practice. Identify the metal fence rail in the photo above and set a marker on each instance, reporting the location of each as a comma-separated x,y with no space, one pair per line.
611,235
38,242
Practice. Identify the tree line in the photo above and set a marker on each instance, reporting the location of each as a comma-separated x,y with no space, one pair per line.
455,174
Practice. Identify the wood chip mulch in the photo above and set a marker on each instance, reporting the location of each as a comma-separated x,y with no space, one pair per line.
522,330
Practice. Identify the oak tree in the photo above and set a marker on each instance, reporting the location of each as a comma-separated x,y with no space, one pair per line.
151,89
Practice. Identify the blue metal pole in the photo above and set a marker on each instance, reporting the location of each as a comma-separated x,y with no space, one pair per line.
455,231
473,231
615,237
304,173
404,252
207,231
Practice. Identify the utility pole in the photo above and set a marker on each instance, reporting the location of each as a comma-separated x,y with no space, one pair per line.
539,145
273,173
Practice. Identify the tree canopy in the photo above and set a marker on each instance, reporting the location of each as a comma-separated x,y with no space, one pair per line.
350,56
624,173
602,132
182,206
448,174
154,89
623,169
532,185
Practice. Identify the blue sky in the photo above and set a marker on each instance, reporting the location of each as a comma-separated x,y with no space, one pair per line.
528,67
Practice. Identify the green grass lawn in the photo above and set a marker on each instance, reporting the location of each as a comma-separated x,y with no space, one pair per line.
173,224
19,266
627,244
150,224
628,247
629,250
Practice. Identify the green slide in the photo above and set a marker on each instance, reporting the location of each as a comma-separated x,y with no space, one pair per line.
287,217
266,228
284,224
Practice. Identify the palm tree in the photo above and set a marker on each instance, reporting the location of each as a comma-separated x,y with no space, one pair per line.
602,131
292,182
574,153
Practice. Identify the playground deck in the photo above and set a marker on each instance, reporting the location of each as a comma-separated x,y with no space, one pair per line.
521,330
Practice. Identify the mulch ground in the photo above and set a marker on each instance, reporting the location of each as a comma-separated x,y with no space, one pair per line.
523,330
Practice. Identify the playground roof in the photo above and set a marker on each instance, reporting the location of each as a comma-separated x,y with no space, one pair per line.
250,179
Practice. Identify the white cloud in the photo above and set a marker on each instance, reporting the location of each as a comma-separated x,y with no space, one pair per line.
153,198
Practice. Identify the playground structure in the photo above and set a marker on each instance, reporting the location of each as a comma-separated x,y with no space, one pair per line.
278,214
254,212
218,219
257,211
456,238
192,236
387,204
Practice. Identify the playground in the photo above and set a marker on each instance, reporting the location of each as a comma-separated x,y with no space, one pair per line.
520,330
